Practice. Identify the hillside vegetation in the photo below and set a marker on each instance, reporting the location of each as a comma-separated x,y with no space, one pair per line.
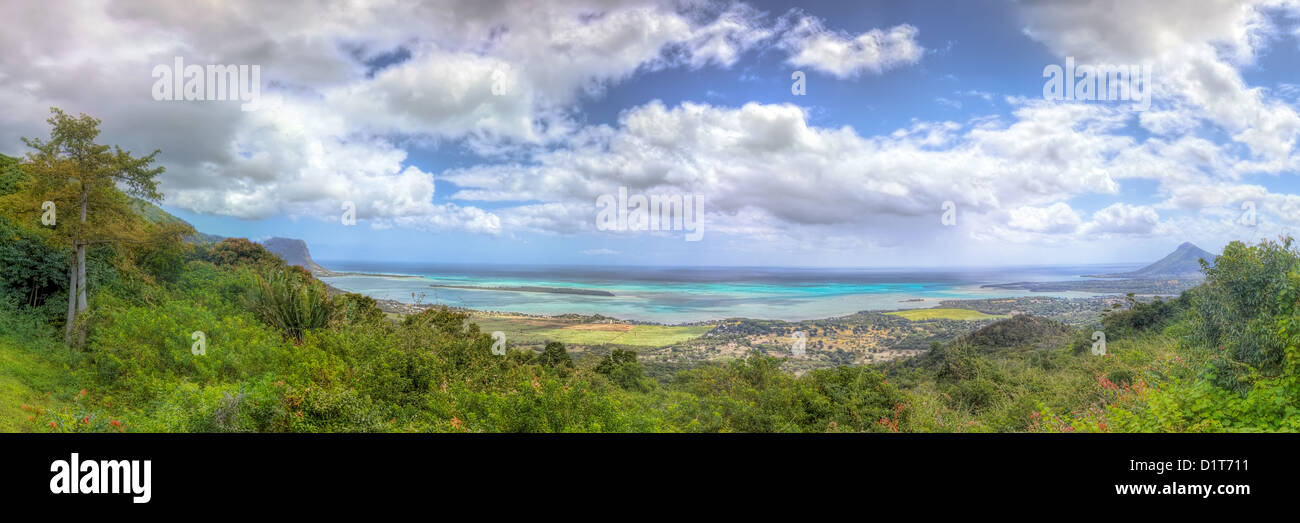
226,337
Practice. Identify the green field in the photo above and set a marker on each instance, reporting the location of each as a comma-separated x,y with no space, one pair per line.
945,314
530,331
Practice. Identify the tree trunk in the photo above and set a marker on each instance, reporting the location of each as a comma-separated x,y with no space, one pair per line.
77,289
72,301
81,291
81,278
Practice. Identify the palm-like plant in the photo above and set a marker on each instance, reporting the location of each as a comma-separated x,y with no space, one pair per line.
290,303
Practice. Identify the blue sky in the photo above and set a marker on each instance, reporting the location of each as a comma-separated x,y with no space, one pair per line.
908,106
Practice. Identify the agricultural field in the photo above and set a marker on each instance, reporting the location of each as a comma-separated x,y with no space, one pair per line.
534,330
945,314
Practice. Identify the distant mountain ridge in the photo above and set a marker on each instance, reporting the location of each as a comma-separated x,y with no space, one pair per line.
1184,262
294,252
156,215
1178,271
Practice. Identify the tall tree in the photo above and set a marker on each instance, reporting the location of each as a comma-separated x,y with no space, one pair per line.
74,172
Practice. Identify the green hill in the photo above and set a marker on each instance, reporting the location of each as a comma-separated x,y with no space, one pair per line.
1021,330
156,215
1176,272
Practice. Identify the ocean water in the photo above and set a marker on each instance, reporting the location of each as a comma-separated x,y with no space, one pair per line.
695,294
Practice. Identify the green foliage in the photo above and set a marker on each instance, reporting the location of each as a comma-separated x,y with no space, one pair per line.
163,260
1238,368
290,303
755,395
71,151
621,367
11,175
1022,330
1235,310
35,376
443,319
31,269
241,252
1141,316
555,356
352,308
88,183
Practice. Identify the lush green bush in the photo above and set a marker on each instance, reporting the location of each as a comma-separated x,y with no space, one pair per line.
555,356
1236,310
31,269
354,308
165,261
10,175
1022,330
621,367
137,350
240,252
291,303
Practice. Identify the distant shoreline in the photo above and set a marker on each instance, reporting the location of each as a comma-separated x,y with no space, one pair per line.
520,288
529,288
332,274
399,306
1151,286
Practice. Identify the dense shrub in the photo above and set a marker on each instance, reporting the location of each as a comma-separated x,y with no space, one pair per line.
1236,310
555,356
165,261
31,269
290,303
1141,316
621,367
240,251
353,308
10,175
1022,330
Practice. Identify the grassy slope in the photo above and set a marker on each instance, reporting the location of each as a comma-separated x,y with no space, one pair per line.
1020,389
30,374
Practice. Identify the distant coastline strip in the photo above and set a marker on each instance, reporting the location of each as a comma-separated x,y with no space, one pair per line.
549,290
523,288
333,274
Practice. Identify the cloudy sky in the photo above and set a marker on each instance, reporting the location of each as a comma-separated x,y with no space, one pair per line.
484,131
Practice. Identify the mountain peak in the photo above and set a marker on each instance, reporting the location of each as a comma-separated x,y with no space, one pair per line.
1184,262
294,252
